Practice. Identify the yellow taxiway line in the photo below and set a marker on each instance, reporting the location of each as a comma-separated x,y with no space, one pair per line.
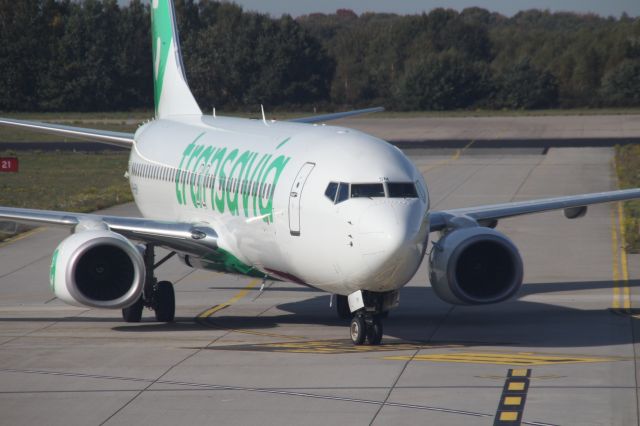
21,236
203,317
242,293
449,160
621,292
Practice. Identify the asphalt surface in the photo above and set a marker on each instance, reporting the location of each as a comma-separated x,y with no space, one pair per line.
281,357
420,133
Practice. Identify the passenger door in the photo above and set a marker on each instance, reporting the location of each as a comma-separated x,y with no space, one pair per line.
295,198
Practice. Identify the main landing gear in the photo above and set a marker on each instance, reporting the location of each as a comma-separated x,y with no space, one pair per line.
157,295
367,310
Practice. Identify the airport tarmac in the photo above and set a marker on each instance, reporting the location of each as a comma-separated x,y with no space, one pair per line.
236,356
419,128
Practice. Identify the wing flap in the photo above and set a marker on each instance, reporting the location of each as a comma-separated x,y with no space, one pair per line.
105,136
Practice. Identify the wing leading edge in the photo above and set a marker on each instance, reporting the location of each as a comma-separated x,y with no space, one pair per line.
121,139
195,239
439,220
335,116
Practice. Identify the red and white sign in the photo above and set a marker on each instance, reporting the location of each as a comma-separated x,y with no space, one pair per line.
9,164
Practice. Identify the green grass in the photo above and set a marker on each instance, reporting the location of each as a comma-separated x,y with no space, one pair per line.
628,171
67,181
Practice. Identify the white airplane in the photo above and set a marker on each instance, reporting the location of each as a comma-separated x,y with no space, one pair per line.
328,207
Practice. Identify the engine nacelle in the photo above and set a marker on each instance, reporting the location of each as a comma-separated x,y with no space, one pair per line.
99,269
474,266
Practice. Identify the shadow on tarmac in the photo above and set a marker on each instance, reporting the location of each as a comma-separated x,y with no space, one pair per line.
423,318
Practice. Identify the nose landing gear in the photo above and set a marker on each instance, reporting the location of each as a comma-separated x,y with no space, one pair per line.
368,308
366,328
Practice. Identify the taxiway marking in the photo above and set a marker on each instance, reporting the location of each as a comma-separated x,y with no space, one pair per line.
333,347
204,317
21,236
514,395
449,160
505,358
621,293
242,293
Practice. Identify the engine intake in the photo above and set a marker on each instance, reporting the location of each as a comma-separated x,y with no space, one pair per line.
99,269
474,266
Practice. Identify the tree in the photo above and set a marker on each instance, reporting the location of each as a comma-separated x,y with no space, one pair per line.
621,86
442,81
524,86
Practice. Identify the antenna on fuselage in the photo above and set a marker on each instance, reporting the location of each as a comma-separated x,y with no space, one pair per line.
264,117
214,112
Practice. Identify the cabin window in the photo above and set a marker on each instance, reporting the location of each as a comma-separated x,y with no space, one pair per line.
402,190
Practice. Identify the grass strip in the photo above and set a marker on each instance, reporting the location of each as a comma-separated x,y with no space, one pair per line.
62,180
628,172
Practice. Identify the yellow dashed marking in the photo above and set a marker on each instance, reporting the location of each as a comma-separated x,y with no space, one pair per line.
508,416
512,400
519,373
515,386
503,359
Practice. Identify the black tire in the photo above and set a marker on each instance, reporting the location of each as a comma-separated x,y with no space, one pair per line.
374,332
165,302
342,307
358,330
134,312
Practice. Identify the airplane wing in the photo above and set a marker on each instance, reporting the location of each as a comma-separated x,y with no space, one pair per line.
195,239
113,138
335,116
574,206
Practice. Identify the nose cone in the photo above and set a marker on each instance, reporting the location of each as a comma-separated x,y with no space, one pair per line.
391,238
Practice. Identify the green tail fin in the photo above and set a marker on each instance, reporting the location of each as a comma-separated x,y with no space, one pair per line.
172,95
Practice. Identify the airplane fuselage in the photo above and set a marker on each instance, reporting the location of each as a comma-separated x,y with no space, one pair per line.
325,206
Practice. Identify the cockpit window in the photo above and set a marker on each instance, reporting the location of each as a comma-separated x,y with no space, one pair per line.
332,190
343,192
402,190
361,190
338,192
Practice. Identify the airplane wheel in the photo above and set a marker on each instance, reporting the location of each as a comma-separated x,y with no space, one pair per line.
342,307
374,332
165,302
358,330
134,312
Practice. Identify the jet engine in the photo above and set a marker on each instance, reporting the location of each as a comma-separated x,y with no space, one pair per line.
474,266
99,269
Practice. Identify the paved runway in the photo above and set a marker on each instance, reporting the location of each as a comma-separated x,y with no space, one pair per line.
283,358
406,127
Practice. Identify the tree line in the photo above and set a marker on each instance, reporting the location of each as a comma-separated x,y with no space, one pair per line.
94,55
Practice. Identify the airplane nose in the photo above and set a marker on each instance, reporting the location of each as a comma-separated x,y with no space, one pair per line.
380,230
391,234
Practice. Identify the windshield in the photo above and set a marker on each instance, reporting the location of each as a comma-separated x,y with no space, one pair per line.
360,190
402,190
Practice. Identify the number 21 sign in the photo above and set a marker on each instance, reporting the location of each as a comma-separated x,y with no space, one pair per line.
8,164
